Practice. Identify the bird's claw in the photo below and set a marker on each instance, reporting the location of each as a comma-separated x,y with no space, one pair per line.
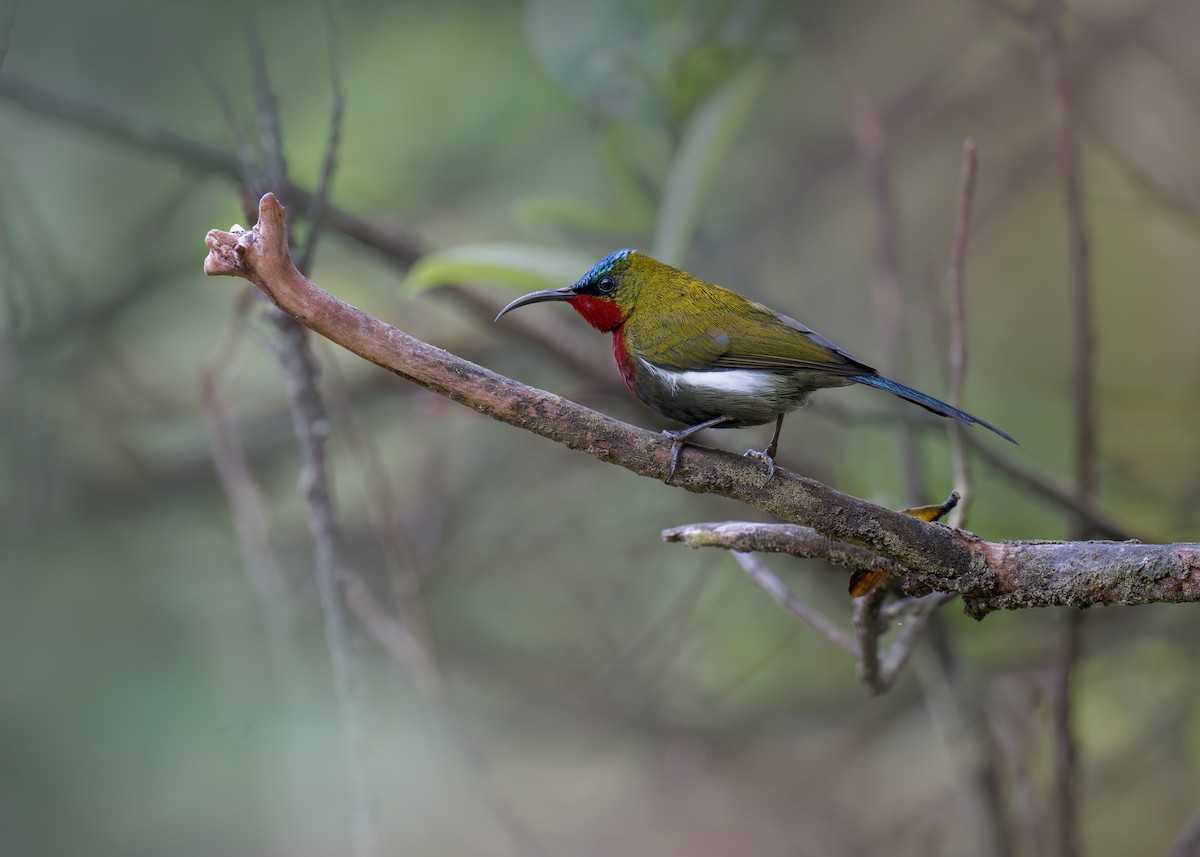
676,445
767,457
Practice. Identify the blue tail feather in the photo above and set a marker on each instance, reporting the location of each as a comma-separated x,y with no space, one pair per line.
929,403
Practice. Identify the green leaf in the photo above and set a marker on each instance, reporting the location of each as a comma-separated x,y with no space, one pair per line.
522,266
705,145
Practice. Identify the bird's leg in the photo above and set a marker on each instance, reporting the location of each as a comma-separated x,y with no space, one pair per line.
680,437
767,456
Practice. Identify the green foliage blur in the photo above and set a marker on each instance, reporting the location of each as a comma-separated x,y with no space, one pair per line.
613,694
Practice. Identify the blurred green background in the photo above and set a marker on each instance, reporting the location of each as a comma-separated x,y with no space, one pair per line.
580,687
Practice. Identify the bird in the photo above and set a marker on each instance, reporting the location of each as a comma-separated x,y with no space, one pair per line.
709,357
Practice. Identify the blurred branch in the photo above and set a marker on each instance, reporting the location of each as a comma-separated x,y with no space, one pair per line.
1063,96
270,139
8,17
393,244
1098,520
405,638
962,719
1103,524
989,575
758,572
337,107
1066,801
1187,844
877,670
199,157
1167,193
233,471
956,275
870,142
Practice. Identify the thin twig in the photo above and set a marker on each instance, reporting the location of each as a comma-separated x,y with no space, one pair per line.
870,141
1100,522
416,654
868,628
1103,524
246,156
337,106
878,668
393,243
898,653
1063,99
959,714
311,425
270,136
233,471
758,572
403,632
957,370
1066,803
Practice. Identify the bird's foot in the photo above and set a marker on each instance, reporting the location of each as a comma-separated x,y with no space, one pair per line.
767,457
678,439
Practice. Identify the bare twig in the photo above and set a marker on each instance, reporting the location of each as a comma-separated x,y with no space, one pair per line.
956,276
1066,803
959,714
316,206
1168,193
245,152
199,157
757,571
241,491
868,628
990,575
416,654
902,647
311,426
870,141
791,539
1063,98
878,668
270,137
1036,481
1040,485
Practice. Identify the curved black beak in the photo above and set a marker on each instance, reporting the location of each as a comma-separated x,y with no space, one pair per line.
563,294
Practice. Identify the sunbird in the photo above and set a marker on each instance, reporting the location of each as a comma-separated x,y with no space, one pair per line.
708,357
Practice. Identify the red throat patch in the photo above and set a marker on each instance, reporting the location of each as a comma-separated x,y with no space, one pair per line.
624,360
601,313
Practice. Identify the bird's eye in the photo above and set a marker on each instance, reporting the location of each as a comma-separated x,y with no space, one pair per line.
605,284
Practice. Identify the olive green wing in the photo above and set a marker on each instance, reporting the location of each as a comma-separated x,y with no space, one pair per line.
721,330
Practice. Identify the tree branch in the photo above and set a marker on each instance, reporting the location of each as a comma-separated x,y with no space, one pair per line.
989,575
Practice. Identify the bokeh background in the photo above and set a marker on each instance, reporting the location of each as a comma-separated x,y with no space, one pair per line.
559,680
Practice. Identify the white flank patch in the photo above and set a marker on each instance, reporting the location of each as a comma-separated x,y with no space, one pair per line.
734,381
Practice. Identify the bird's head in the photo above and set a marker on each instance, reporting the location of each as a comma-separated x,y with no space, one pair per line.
606,294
